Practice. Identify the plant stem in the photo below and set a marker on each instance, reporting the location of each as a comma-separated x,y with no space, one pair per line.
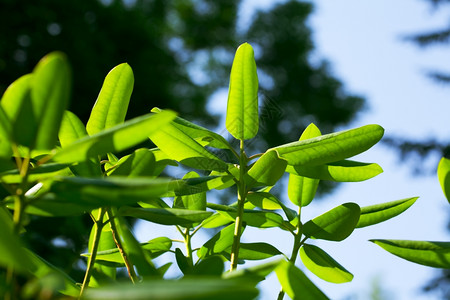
298,242
129,266
98,227
242,194
187,241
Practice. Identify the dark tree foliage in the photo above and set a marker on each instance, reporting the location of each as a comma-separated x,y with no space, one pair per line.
181,52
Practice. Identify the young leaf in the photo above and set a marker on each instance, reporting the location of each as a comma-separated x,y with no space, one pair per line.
256,251
112,102
242,109
444,176
71,130
194,201
181,147
115,139
330,147
432,254
185,289
295,283
201,135
323,265
167,216
266,171
50,91
302,190
378,213
218,243
340,171
334,225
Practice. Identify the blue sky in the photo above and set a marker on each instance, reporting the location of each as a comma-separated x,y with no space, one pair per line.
363,42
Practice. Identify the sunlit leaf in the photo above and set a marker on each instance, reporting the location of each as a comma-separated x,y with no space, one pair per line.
444,176
432,254
242,110
334,225
114,139
112,102
38,173
256,273
182,148
167,216
260,219
323,265
266,200
341,171
140,163
256,251
185,289
194,201
378,213
5,135
330,147
218,243
200,134
266,171
295,283
302,190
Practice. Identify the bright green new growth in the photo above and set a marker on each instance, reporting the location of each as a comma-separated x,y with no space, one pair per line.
64,168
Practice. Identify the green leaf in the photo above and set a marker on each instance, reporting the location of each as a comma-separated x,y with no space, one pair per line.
112,102
74,195
71,130
256,273
443,173
334,225
167,216
302,190
323,265
432,254
50,92
242,109
16,102
295,283
181,147
140,163
266,171
11,252
200,134
216,220
38,173
260,219
153,248
341,171
256,251
132,248
185,289
218,243
5,135
209,266
115,139
194,201
266,200
330,147
41,268
182,262
378,213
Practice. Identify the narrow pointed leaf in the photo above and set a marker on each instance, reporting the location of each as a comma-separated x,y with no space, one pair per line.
242,110
115,139
341,171
201,135
218,243
295,283
256,251
334,225
260,219
444,176
302,190
323,265
50,92
181,147
432,254
266,171
167,216
112,102
330,147
186,289
378,213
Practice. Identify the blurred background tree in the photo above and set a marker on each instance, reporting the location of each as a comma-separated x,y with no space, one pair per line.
409,149
181,53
